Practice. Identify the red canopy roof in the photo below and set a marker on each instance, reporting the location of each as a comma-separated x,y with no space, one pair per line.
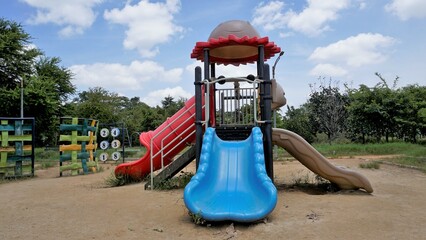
234,50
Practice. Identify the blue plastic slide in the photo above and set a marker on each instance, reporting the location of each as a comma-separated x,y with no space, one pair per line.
231,181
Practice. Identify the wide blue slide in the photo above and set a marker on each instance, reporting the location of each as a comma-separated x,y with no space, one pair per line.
231,182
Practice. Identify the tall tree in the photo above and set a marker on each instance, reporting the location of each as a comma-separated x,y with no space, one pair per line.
16,54
17,58
327,109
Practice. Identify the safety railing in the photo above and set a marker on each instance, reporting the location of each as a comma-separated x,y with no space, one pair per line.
237,105
179,139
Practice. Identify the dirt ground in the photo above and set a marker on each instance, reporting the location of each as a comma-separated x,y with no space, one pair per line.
81,207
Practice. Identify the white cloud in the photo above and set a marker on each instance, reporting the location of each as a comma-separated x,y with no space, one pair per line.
328,70
149,24
361,4
313,20
154,98
270,16
122,78
355,51
406,9
75,16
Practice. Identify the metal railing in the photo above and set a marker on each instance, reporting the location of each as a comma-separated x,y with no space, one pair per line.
237,105
177,140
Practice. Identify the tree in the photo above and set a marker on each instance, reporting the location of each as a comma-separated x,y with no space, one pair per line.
16,55
16,64
100,104
46,85
411,115
327,110
46,93
170,106
297,120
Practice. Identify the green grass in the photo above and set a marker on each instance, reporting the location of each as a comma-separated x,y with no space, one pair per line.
113,181
352,149
410,161
370,165
405,154
176,182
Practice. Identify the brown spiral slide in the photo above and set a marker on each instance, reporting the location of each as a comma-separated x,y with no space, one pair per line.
312,159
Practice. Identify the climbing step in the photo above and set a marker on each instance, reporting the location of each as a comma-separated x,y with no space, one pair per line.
173,168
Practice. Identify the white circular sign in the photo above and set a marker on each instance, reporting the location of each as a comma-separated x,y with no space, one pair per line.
104,132
115,143
115,132
103,157
104,145
115,156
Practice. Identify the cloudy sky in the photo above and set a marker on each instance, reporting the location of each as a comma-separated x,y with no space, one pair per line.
142,48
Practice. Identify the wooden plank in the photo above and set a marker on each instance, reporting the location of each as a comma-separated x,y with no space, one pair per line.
20,138
68,157
76,166
69,138
75,147
4,139
12,149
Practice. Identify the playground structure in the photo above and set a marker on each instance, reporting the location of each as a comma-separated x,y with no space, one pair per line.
17,147
79,152
233,134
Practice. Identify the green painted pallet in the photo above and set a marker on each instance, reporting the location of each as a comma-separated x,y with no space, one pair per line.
16,147
78,145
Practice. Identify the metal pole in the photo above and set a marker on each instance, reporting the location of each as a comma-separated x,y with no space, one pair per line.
198,116
22,97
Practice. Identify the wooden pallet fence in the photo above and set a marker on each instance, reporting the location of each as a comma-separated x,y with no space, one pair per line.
17,147
78,145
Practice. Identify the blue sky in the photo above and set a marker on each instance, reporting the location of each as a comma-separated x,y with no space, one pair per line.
142,48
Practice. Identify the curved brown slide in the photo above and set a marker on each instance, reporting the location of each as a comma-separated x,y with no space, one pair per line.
312,159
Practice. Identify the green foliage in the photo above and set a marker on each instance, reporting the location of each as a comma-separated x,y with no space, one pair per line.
16,55
116,181
297,120
370,165
383,112
197,218
327,110
46,85
176,182
364,114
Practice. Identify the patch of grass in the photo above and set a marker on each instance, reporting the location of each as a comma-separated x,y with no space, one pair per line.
113,181
370,165
196,218
410,161
41,154
353,149
312,183
176,182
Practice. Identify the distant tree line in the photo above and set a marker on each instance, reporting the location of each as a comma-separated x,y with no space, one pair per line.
363,114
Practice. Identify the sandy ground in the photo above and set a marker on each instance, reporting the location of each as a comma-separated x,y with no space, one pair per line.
81,207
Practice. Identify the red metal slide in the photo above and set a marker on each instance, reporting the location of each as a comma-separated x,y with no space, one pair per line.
168,139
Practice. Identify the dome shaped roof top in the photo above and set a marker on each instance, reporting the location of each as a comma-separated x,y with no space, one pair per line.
234,42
